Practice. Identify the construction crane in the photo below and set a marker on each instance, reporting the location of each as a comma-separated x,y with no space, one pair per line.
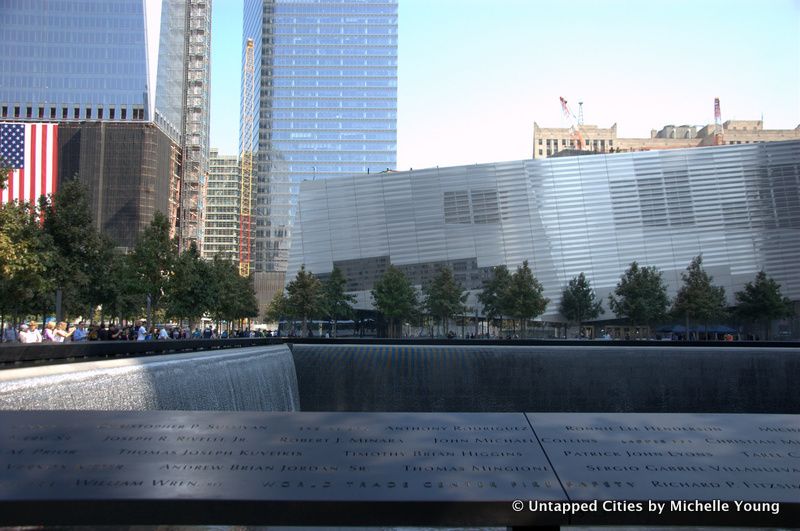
718,140
574,124
246,160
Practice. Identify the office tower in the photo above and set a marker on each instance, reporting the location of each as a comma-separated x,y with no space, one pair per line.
326,91
131,107
221,224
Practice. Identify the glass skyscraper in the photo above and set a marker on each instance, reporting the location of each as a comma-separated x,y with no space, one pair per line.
93,59
128,65
326,104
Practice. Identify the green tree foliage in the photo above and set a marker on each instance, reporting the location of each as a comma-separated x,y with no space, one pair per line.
395,298
77,246
698,299
525,297
335,301
231,296
278,308
25,257
641,296
578,301
187,294
444,297
761,302
5,171
122,298
153,259
99,270
494,295
305,296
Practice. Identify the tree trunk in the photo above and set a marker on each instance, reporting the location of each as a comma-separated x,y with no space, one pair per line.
687,326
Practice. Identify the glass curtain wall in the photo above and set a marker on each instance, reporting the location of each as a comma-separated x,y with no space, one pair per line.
327,103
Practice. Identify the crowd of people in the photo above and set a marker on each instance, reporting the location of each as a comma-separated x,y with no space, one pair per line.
63,332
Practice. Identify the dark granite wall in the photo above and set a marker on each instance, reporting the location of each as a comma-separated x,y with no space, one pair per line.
547,379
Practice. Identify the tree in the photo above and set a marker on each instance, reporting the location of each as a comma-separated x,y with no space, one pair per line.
494,295
304,294
641,296
231,296
153,258
394,297
123,296
578,302
335,302
698,299
100,286
5,171
525,297
761,301
25,257
78,247
187,294
444,296
278,308
246,303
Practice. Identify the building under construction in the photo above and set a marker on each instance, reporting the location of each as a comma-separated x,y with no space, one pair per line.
129,90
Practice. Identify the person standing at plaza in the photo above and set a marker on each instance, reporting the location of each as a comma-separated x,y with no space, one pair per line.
49,334
34,334
9,334
22,335
141,332
60,333
80,333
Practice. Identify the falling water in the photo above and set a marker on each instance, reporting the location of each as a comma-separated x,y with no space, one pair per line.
245,379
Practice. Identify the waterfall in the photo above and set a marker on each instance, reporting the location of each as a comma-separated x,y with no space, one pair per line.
244,379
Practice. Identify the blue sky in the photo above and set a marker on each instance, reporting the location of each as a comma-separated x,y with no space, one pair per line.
475,74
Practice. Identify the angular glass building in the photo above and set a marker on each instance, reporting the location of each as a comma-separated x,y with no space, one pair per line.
326,91
737,205
128,82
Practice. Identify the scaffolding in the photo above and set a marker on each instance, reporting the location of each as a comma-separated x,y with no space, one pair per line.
246,161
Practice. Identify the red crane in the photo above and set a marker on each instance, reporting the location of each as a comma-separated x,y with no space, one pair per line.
717,124
574,124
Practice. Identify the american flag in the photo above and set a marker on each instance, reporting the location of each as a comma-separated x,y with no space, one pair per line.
31,151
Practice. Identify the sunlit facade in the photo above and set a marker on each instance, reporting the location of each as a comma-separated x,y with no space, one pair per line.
326,104
221,222
133,75
738,205
93,60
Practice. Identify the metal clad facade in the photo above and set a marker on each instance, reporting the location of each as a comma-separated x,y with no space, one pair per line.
738,205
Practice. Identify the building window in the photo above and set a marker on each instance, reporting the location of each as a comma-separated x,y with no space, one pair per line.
563,141
76,113
16,112
29,112
41,112
4,112
540,152
52,113
63,113
88,113
540,141
100,113
124,114
111,113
